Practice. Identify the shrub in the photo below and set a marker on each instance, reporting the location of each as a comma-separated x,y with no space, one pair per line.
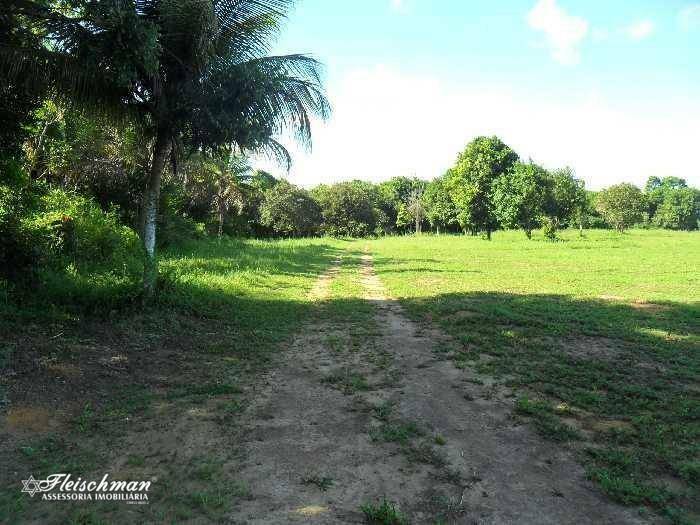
621,206
18,256
71,229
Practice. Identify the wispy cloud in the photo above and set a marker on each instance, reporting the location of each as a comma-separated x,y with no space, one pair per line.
689,17
563,32
640,30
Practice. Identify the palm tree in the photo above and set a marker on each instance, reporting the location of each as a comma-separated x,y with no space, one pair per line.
220,181
195,73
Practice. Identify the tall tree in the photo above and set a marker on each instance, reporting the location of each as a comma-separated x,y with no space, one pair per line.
196,72
471,182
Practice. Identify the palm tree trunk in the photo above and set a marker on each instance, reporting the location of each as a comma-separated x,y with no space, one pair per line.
161,151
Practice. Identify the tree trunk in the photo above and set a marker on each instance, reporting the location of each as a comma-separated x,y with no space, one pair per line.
222,212
161,151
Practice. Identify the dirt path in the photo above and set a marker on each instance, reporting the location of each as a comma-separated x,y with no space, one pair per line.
341,425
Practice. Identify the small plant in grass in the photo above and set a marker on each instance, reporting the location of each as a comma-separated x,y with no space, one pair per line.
440,440
545,420
347,381
395,432
383,513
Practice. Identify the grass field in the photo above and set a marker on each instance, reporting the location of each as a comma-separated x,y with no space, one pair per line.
597,338
114,391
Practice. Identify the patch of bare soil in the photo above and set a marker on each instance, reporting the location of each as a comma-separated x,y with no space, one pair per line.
418,431
592,347
641,304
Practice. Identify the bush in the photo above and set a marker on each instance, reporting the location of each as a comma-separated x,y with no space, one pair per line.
72,230
18,256
67,247
549,229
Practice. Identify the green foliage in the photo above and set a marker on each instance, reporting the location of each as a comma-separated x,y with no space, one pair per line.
349,209
621,205
598,348
18,254
403,217
520,196
471,181
383,513
67,247
394,194
70,229
290,211
679,209
440,210
567,198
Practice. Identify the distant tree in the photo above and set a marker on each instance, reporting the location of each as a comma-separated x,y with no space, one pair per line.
520,195
290,211
656,190
395,192
348,208
219,180
471,182
403,217
566,201
679,209
439,208
416,210
622,205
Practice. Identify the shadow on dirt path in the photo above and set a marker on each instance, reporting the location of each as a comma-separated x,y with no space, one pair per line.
340,425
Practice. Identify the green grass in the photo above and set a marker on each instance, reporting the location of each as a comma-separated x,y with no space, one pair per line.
599,338
223,309
607,325
383,512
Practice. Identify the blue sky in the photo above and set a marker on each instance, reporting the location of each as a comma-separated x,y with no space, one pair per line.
610,88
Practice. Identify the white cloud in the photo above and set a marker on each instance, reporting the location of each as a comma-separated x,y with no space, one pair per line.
689,17
640,30
387,123
564,33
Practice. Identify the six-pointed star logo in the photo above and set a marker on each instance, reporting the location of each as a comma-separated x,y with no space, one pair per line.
30,486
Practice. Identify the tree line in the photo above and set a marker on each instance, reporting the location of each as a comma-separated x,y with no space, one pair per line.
123,119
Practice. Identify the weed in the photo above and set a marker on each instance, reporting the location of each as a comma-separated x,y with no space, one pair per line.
383,513
395,432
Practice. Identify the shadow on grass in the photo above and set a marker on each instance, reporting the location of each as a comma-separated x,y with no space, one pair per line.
633,365
626,374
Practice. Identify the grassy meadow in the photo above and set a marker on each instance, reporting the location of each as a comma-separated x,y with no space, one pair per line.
119,384
598,337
